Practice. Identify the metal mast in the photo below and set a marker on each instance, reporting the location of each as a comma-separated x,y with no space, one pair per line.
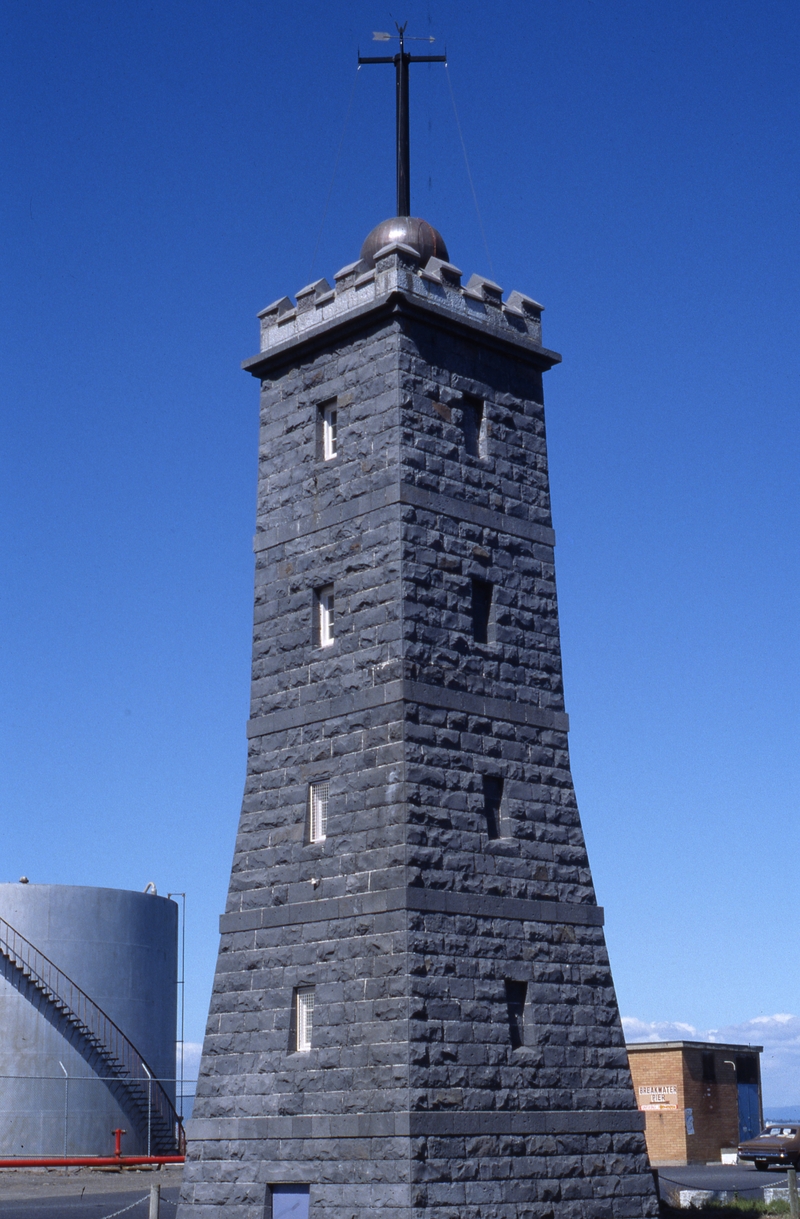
401,61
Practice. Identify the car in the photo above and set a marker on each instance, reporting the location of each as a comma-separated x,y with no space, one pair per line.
778,1144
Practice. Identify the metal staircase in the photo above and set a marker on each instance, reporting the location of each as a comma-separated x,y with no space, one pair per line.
122,1061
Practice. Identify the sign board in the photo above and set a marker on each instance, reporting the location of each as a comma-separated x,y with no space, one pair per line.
658,1096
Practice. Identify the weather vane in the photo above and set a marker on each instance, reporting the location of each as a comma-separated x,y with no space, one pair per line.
401,61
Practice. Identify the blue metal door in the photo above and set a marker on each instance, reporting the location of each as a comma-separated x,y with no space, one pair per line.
289,1202
748,1111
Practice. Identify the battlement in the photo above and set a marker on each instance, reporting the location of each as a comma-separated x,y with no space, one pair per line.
398,268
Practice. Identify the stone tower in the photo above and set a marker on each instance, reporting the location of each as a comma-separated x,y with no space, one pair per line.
413,1014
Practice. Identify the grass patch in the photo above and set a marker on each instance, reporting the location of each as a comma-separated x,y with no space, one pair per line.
736,1208
749,1206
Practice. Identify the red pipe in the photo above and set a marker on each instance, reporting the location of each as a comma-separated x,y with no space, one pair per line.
90,1161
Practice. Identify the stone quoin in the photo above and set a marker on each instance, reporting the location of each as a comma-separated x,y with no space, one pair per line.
413,1014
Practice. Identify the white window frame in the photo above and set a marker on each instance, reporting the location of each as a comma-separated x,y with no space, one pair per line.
325,611
330,421
318,811
304,1018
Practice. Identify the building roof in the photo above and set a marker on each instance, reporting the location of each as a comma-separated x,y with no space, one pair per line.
639,1046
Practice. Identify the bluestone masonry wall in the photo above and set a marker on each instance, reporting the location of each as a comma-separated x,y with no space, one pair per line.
425,914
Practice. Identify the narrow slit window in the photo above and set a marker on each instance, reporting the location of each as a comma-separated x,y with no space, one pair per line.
329,431
317,812
515,1002
324,632
304,1018
492,804
709,1067
481,610
473,422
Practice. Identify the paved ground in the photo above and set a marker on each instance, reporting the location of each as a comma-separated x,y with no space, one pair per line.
740,1177
89,1194
85,1193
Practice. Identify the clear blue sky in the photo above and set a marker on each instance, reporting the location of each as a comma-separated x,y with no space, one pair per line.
165,175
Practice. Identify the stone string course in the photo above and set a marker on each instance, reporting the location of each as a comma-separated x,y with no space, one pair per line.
408,919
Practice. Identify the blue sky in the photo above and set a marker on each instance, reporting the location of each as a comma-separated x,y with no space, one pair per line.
166,171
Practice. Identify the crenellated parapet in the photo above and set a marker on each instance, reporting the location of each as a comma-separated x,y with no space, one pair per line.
398,269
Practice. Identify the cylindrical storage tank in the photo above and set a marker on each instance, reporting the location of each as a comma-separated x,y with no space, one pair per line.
63,1088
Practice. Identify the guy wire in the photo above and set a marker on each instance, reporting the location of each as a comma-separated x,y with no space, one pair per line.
466,162
333,175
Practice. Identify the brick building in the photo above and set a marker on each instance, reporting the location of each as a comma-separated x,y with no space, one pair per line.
697,1097
413,1012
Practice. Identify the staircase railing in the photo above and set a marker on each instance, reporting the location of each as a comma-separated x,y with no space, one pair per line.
126,1062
